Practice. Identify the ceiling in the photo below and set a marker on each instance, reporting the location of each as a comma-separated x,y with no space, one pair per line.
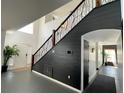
66,9
18,13
62,11
103,35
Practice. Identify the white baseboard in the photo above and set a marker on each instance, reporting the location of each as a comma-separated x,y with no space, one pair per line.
58,82
92,77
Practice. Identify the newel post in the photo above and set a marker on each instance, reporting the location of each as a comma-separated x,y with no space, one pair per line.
53,38
32,62
98,3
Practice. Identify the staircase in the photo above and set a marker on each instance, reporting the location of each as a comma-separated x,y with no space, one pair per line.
60,56
85,7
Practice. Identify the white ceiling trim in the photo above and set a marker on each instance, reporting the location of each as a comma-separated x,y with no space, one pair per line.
103,35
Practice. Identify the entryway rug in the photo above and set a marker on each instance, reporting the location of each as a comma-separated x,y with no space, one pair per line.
102,84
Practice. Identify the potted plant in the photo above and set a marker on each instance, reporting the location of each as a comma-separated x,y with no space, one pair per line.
8,53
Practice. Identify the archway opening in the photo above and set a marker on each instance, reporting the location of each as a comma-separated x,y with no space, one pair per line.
99,48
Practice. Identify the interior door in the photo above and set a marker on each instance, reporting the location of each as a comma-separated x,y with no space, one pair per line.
24,57
86,63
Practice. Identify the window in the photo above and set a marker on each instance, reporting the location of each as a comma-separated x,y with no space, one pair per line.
27,29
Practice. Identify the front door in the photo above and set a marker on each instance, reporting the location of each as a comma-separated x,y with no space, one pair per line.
110,55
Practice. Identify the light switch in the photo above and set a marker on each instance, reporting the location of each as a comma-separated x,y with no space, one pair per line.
53,51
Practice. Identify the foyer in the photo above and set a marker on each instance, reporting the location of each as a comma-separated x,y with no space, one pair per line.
28,82
66,51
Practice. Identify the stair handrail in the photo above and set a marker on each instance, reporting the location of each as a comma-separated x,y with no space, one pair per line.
70,15
43,44
54,33
52,38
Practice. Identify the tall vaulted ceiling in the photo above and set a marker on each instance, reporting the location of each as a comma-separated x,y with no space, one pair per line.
18,13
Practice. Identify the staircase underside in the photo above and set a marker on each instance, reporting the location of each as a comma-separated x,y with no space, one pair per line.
59,64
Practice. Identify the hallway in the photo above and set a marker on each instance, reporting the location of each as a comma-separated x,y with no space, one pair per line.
107,77
116,73
27,82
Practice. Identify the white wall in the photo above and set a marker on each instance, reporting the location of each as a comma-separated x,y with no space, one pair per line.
22,60
92,60
99,55
27,43
119,50
46,29
42,32
120,63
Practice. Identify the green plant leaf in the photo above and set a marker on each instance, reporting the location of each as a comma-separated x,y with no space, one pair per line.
9,52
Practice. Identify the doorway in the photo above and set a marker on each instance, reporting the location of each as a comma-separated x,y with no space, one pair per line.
110,55
92,63
23,61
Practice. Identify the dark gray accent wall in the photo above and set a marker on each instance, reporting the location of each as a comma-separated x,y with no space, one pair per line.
66,59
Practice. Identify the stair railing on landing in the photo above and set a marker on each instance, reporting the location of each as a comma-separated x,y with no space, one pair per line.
73,19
